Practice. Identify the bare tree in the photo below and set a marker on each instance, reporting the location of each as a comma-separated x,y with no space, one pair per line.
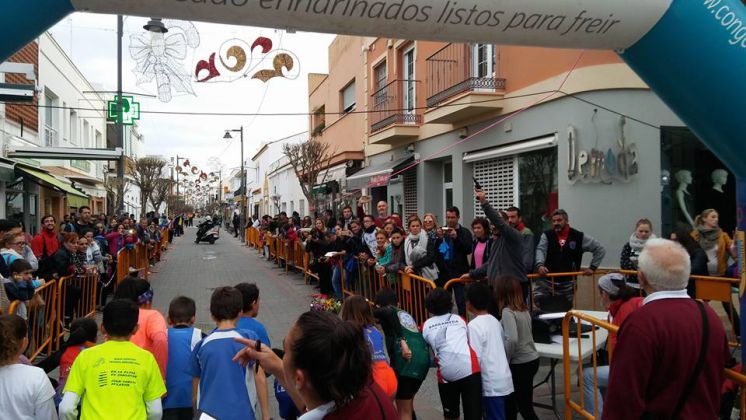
177,205
161,192
146,174
310,161
111,185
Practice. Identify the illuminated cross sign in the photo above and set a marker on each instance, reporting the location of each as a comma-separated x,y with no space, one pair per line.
130,110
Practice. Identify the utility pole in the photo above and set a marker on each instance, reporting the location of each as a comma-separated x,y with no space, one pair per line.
120,118
228,136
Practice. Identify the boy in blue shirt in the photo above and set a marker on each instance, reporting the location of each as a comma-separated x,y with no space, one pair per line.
227,390
182,338
248,322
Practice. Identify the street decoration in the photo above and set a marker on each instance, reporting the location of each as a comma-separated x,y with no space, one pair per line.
161,57
130,110
238,60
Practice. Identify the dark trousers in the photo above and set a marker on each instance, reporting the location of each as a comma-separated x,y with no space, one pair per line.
469,391
324,272
522,398
178,414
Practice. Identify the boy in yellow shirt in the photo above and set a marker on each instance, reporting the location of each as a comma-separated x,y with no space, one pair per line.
117,379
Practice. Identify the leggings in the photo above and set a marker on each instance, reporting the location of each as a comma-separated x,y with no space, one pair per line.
522,399
469,391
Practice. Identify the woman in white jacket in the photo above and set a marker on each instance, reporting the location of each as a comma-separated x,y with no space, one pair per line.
419,251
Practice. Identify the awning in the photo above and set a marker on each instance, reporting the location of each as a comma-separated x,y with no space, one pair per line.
75,198
512,149
238,192
376,175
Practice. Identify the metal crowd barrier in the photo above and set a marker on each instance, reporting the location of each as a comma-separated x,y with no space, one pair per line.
41,316
81,288
578,408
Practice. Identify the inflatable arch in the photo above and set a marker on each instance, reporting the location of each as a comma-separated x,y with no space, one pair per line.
692,53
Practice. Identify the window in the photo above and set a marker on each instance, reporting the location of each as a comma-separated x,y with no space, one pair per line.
448,184
99,140
348,97
51,129
408,87
65,122
86,134
380,73
319,120
285,207
73,127
292,206
483,61
302,207
537,174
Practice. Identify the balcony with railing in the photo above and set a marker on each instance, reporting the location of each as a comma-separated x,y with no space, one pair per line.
462,83
394,115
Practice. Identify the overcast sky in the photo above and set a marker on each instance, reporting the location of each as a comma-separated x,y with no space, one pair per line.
91,42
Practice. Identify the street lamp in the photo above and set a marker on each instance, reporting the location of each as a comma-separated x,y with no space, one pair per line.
228,136
154,25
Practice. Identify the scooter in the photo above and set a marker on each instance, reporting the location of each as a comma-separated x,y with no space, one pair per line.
207,232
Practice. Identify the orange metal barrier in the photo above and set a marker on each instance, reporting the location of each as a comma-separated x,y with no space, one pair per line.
412,291
41,315
579,407
83,289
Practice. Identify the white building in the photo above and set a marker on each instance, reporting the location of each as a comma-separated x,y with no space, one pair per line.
285,191
72,116
257,175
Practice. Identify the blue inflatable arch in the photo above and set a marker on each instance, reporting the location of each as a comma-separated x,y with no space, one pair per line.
692,53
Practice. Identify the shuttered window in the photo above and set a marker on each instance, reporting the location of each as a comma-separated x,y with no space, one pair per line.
499,179
410,194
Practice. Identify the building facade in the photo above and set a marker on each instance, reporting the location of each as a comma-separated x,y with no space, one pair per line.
538,128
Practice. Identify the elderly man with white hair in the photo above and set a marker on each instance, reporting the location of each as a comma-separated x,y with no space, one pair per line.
670,353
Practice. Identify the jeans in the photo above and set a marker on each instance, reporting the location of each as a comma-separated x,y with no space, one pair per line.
337,282
602,380
459,295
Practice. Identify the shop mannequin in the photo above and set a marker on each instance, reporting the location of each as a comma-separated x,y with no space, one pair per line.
719,179
684,179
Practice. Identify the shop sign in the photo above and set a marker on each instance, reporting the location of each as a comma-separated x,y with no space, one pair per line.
379,180
130,110
601,165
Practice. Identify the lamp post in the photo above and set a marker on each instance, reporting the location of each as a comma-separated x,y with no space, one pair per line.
242,216
155,25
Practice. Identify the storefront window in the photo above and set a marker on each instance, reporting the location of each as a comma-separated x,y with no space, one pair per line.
693,179
537,175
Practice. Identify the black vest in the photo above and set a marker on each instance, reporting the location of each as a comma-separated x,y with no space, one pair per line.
567,258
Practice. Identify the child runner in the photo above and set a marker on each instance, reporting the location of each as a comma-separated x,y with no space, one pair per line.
182,338
486,338
458,366
247,321
117,379
25,391
406,348
224,386
357,311
151,334
83,334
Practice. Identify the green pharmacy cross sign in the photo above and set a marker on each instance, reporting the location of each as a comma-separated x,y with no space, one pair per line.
130,110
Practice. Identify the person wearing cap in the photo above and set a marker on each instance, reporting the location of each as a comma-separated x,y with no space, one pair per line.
620,300
560,250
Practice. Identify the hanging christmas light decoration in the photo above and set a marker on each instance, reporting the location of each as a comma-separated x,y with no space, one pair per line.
238,61
160,57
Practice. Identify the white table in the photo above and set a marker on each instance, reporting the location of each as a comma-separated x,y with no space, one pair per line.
554,351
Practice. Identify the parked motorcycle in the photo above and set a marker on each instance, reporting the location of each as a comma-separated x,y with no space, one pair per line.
207,231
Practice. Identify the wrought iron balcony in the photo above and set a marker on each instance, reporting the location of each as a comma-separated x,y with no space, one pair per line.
393,104
459,68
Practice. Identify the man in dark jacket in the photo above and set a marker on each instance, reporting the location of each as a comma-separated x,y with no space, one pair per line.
560,250
506,255
453,255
